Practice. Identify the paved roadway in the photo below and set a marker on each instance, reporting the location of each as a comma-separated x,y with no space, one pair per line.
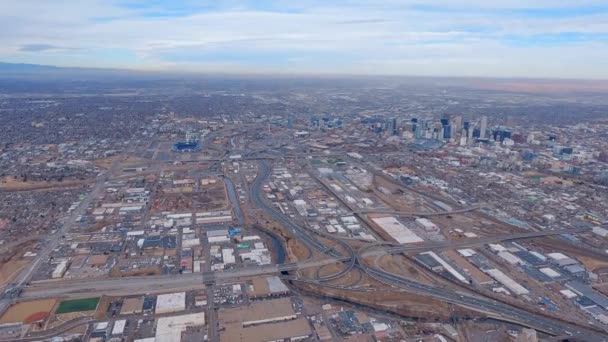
190,281
415,213
492,307
67,223
301,233
396,249
115,286
162,283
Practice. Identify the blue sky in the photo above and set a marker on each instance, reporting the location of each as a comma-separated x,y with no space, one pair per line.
504,38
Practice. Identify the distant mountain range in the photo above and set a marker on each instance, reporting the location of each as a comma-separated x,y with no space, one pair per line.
19,68
38,71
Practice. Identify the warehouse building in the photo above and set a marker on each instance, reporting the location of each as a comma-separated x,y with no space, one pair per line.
170,302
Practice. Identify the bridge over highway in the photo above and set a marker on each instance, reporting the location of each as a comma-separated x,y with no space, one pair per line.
131,285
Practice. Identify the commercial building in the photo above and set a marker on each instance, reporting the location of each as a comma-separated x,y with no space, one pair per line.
586,291
60,269
507,282
169,329
261,321
397,230
267,287
170,302
446,266
119,327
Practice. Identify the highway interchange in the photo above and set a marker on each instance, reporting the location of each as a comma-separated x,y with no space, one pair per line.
314,240
492,307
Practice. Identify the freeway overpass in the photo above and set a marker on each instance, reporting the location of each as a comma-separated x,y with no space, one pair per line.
133,285
394,248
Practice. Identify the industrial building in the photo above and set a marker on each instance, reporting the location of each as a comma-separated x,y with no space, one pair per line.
397,230
170,329
170,302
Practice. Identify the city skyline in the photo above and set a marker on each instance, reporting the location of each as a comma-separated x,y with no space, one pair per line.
552,39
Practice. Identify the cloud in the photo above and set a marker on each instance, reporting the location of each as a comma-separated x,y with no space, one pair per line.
37,47
435,37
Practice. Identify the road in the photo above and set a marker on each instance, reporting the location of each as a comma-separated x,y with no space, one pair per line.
493,308
115,286
396,249
67,223
415,213
499,310
129,285
303,234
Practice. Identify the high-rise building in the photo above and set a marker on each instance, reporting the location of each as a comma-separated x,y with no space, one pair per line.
483,127
447,132
457,123
394,126
414,124
476,133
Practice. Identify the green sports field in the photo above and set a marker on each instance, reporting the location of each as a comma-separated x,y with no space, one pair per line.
76,305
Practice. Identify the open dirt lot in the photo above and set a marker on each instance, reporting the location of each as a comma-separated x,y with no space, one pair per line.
9,184
9,269
28,312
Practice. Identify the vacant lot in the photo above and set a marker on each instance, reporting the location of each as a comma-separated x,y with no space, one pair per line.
76,305
28,312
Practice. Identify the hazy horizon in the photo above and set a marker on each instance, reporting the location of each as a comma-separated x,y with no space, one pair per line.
504,39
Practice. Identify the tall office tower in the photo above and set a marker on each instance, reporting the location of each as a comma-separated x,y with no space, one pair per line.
447,132
394,126
470,131
421,129
457,123
465,127
463,137
483,127
414,124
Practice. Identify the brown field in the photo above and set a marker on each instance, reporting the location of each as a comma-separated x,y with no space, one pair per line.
10,257
591,263
105,163
28,312
210,197
12,184
10,268
400,265
406,304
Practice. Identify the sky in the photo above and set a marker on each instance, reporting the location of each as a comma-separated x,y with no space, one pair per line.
479,38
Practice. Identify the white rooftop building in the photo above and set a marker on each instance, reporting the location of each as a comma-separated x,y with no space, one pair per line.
171,302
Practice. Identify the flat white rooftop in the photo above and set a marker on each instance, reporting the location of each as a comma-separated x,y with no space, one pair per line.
397,230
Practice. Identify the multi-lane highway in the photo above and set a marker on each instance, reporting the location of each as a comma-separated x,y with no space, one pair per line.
491,307
479,303
314,240
417,213
67,223
307,236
